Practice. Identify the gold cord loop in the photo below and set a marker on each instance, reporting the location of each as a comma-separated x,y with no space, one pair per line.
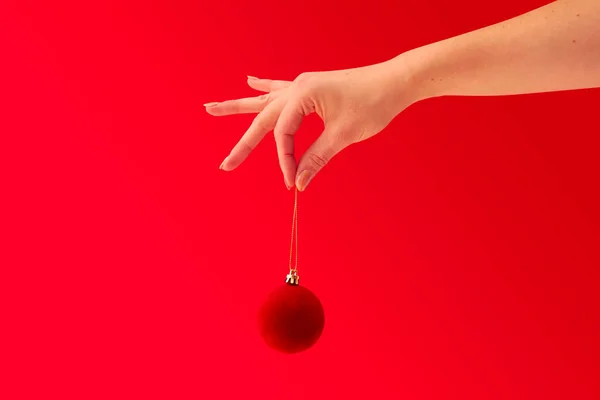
292,278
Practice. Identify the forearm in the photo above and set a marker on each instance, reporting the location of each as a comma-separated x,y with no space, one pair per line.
555,47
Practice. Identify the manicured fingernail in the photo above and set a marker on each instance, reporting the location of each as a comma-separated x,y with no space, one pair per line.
252,78
303,180
223,163
208,105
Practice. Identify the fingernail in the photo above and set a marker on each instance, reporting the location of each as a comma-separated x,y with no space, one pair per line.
223,163
208,105
252,78
303,180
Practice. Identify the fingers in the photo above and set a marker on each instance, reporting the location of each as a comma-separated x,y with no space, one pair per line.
316,157
249,105
267,85
288,123
262,124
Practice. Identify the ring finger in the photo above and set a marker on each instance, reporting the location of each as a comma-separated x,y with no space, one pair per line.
248,105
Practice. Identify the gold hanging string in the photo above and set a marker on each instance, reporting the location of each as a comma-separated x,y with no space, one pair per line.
294,240
292,277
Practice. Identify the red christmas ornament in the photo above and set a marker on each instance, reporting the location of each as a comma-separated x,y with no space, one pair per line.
292,318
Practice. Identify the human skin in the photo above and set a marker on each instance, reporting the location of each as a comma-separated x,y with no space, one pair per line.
553,48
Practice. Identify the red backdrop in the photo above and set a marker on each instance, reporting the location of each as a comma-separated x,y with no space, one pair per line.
456,254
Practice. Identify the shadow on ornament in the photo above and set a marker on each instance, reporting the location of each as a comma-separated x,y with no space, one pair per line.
292,318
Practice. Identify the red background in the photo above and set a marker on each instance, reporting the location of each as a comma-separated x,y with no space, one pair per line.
456,254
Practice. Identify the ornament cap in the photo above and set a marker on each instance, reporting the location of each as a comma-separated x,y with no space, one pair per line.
292,278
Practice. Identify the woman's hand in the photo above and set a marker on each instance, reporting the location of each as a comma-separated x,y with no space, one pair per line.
554,47
354,104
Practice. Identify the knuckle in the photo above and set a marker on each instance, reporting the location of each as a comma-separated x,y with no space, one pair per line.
265,98
279,135
229,106
304,78
279,132
260,122
248,147
318,160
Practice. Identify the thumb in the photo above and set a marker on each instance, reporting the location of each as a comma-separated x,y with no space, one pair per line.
315,158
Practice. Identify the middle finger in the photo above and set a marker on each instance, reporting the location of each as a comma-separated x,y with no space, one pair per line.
262,124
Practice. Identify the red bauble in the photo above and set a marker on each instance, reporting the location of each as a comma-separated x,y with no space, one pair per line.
292,319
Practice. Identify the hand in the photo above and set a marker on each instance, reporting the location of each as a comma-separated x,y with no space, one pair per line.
354,104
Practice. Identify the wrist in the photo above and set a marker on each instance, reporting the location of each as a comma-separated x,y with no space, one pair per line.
422,72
